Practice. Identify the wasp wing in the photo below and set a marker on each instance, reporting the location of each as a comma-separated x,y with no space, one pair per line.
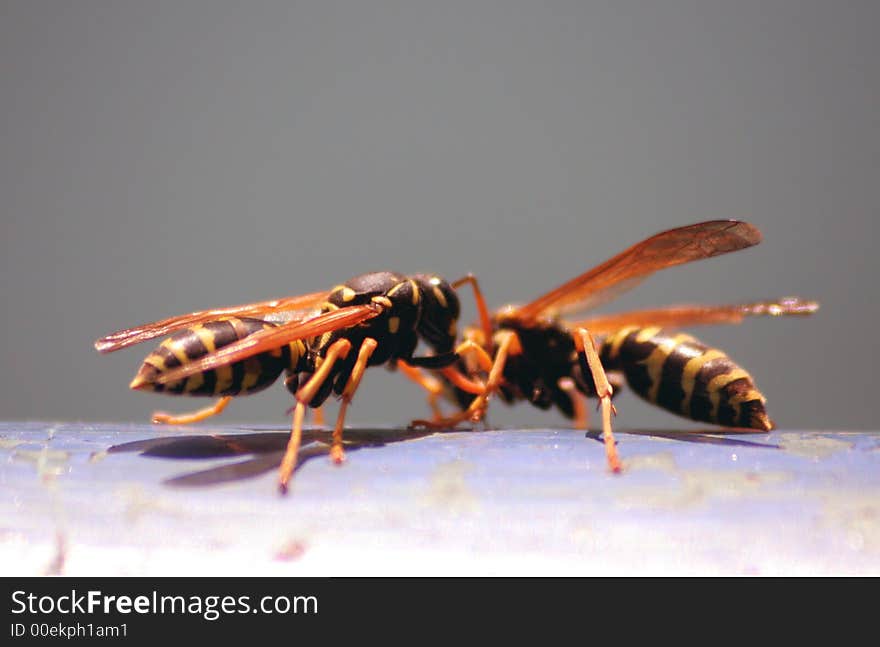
294,308
681,316
273,338
630,267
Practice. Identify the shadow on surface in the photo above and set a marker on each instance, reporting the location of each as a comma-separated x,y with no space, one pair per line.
265,448
712,436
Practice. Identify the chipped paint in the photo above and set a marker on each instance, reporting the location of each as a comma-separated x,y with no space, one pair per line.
448,488
291,551
813,445
50,463
97,457
662,461
695,486
138,503
854,518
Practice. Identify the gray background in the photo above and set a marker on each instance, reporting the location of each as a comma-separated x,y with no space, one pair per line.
161,157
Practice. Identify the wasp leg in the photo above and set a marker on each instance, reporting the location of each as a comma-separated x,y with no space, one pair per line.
465,384
337,350
337,454
433,386
484,361
578,399
482,310
318,418
470,348
586,349
162,418
508,345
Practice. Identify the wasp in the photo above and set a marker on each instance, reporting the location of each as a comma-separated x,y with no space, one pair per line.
533,354
323,342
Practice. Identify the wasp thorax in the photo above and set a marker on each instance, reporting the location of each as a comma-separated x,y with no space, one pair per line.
399,300
364,288
438,325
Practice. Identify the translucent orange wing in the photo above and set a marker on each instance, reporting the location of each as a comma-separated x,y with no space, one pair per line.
273,338
697,315
630,267
131,336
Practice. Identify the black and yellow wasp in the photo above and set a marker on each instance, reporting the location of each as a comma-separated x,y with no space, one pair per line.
323,341
531,353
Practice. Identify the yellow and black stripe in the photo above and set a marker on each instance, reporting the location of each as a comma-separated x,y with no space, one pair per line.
238,378
686,377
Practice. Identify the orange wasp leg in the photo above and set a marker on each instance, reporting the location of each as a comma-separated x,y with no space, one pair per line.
458,379
482,309
467,385
162,418
586,349
469,347
337,454
509,344
337,350
318,417
433,386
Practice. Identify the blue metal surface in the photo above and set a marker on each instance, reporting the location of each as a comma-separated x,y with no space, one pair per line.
134,499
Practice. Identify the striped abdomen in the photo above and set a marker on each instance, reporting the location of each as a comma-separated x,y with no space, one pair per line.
684,376
239,378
